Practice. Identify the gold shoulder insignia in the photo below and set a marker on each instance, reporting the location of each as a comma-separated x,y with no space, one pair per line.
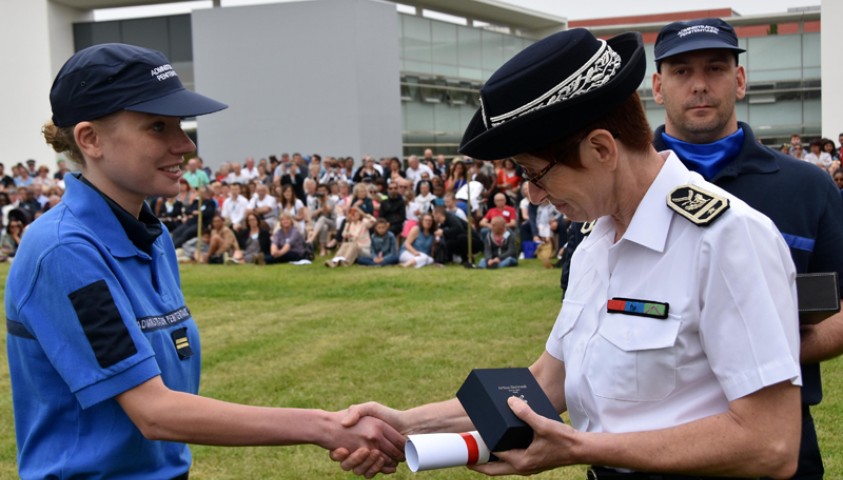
697,205
587,227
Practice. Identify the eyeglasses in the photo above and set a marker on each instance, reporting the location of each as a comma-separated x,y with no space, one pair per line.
558,158
535,179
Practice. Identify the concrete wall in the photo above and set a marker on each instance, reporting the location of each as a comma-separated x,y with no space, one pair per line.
832,69
36,36
311,77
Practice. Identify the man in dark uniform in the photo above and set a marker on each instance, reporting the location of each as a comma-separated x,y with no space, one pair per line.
393,209
698,80
453,232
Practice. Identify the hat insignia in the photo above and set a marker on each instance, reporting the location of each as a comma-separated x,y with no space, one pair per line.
697,205
599,70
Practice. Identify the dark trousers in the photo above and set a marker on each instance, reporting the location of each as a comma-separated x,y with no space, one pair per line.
288,257
185,232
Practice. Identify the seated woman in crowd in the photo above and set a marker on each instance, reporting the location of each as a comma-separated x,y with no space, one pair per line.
395,170
342,197
361,199
287,243
289,203
384,246
417,250
254,241
830,148
356,241
186,193
508,178
457,177
222,244
10,239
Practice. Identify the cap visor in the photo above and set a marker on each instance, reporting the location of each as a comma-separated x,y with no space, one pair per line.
692,47
181,103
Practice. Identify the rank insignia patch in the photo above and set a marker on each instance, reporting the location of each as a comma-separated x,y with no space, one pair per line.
697,205
182,345
641,308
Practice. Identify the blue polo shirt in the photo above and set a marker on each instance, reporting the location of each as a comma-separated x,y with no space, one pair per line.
802,201
93,311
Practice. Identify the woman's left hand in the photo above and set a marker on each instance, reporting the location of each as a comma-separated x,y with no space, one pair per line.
552,446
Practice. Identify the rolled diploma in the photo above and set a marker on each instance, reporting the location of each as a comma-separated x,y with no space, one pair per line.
442,450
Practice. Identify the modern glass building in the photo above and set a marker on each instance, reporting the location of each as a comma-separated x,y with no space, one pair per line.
444,62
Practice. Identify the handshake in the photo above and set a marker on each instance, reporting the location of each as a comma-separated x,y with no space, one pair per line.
383,448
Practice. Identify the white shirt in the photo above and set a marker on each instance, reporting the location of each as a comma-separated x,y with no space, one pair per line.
732,326
416,175
476,192
821,160
234,210
268,201
293,211
249,173
232,177
545,213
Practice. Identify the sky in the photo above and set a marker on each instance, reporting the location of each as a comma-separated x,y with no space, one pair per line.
572,10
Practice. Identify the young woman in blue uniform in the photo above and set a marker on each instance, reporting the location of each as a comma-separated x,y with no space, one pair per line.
103,352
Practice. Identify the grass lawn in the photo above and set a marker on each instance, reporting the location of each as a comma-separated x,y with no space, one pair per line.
315,337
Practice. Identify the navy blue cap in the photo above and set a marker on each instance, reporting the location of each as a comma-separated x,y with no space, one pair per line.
107,78
700,34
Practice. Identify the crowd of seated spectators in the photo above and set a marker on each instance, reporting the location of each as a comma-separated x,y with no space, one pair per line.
821,152
425,210
293,208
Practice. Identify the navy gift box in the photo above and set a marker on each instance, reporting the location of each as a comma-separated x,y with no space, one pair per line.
483,395
818,296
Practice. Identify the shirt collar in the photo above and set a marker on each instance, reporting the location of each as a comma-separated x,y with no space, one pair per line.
651,221
121,232
752,158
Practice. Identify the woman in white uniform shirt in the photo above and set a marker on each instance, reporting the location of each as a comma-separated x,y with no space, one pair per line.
676,350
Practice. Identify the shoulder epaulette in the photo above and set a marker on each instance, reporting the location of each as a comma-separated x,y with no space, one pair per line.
587,227
697,205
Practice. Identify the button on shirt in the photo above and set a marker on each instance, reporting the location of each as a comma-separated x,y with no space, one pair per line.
732,322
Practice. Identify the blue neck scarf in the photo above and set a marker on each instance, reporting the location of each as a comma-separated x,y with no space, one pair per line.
707,159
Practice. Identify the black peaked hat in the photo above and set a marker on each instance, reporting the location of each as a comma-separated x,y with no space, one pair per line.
551,89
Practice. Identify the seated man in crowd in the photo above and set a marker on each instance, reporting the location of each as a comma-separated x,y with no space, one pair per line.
195,177
501,209
264,205
451,206
234,209
453,233
223,242
393,209
499,247
384,246
188,229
